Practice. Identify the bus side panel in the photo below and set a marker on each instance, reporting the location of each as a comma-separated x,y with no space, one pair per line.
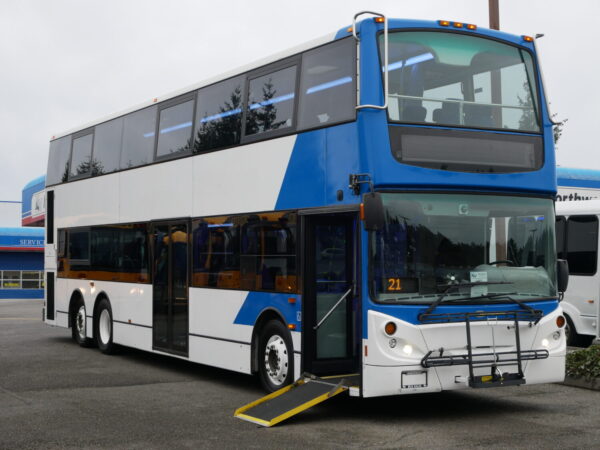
131,306
159,191
214,337
87,202
231,181
62,296
581,302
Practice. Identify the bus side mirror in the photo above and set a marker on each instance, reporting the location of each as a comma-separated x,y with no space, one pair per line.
373,211
562,275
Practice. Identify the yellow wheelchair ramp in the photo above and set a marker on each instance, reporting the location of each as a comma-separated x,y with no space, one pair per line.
305,393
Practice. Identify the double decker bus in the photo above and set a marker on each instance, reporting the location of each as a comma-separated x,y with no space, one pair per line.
377,202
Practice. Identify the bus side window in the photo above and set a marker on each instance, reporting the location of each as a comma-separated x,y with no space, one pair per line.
219,115
561,226
582,244
271,100
327,85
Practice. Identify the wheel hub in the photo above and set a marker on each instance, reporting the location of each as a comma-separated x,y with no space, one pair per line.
80,322
105,326
276,360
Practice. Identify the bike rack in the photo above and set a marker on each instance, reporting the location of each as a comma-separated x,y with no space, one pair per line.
494,359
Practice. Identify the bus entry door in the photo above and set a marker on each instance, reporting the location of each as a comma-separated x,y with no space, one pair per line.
329,301
170,286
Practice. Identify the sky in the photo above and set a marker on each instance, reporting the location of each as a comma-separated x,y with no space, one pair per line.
64,63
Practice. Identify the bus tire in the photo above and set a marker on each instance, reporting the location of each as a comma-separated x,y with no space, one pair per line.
103,327
79,324
275,356
574,339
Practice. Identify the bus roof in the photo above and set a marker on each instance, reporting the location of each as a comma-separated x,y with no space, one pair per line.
573,177
341,33
223,76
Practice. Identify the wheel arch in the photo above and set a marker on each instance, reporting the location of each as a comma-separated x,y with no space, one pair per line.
264,317
76,295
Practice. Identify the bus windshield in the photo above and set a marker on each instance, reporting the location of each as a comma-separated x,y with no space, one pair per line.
461,80
494,244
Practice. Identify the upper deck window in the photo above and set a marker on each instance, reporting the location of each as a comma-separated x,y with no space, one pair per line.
175,129
138,138
461,80
219,115
327,85
271,101
58,161
107,147
81,158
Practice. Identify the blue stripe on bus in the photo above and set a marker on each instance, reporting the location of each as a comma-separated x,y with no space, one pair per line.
221,115
176,127
257,302
281,98
329,85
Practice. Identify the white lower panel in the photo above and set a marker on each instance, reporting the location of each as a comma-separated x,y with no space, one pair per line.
132,336
551,370
387,380
219,353
62,320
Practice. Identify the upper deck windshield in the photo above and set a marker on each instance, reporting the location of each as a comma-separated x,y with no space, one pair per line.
431,242
461,80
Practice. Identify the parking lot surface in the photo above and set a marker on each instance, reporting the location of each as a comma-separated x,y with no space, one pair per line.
55,394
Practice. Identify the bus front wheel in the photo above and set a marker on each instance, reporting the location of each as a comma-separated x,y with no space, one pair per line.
275,356
103,327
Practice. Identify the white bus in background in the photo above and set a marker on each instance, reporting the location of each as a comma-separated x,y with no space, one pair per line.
577,242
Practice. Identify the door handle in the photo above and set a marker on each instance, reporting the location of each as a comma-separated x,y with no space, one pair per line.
326,316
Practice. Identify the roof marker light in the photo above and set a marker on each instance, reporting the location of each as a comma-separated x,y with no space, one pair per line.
527,38
457,24
444,23
471,26
349,30
379,20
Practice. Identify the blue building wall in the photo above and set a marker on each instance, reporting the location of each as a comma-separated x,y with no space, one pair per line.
21,249
34,186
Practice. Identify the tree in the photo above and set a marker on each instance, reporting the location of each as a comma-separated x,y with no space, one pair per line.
558,127
222,131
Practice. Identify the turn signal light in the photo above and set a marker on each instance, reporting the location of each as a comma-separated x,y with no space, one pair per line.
291,326
560,321
390,328
527,38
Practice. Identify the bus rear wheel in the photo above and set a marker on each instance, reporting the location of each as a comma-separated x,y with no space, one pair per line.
275,356
79,324
103,327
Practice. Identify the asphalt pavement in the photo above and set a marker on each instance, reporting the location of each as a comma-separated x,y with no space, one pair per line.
55,394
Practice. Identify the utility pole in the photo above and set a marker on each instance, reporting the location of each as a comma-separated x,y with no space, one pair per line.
501,250
494,14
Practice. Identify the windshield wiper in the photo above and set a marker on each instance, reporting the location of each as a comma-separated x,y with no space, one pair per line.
525,306
458,285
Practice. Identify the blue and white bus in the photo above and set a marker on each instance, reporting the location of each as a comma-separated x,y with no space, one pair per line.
379,201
